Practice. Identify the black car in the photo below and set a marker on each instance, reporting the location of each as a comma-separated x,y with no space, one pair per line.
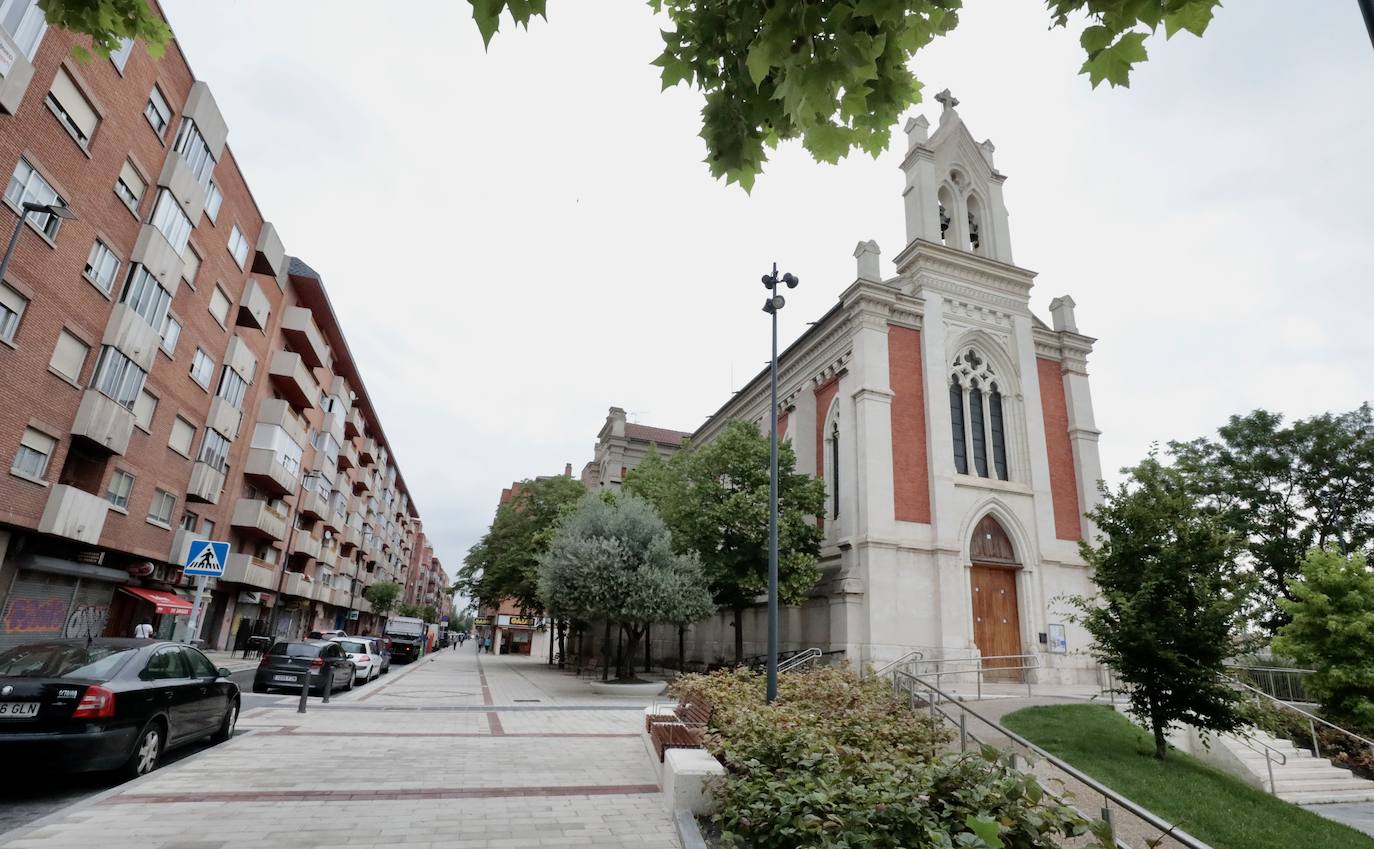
288,664
109,704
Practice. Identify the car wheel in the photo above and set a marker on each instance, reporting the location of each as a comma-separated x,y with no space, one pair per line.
259,688
226,728
351,682
146,752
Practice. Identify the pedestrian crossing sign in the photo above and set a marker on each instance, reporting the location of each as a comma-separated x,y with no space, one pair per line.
206,557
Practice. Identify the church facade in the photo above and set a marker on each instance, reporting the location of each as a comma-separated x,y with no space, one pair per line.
954,431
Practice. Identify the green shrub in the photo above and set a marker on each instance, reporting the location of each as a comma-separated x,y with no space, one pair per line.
838,762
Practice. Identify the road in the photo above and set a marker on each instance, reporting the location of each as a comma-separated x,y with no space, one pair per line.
26,797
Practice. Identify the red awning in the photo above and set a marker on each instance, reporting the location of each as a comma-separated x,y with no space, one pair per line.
163,602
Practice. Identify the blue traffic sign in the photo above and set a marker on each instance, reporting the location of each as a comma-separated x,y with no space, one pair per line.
206,557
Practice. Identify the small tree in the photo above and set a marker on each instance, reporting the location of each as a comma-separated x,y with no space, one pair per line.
1169,601
382,596
428,613
613,560
408,610
1332,629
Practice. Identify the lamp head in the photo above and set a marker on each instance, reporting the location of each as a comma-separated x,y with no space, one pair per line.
791,280
770,281
773,304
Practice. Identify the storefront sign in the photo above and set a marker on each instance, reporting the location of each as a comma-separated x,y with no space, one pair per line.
523,621
482,620
140,570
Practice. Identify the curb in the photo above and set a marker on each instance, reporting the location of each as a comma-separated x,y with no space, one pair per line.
687,831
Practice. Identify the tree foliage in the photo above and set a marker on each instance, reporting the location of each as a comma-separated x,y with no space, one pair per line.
613,560
1288,489
108,23
382,596
836,73
1331,628
505,561
714,498
1169,601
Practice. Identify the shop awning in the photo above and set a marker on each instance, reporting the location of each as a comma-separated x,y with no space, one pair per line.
163,602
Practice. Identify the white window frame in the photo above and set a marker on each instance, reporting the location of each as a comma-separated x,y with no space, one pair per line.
171,332
12,308
144,295
120,480
31,445
191,147
188,429
120,57
157,106
33,186
146,426
25,23
193,265
80,366
219,294
204,364
102,267
238,247
213,199
171,221
117,377
162,498
68,112
214,450
125,192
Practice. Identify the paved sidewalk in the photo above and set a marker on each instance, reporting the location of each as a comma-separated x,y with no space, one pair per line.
451,752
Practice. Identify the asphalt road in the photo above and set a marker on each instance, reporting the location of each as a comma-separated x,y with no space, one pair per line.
26,797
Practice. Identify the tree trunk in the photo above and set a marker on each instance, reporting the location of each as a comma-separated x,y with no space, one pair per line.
648,648
1157,725
550,645
606,654
739,635
681,652
562,626
620,653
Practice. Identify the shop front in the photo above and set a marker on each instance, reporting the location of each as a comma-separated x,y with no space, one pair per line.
52,598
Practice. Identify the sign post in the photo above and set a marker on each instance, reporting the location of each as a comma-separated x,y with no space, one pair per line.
204,559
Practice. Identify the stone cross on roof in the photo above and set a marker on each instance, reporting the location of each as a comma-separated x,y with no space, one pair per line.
949,100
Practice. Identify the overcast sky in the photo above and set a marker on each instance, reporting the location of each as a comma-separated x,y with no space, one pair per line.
517,240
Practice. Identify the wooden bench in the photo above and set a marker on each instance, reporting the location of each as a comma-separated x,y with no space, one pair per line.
684,728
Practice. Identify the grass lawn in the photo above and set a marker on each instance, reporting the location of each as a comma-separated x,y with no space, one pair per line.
1210,804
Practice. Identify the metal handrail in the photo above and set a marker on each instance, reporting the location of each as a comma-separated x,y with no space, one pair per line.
1107,793
1028,662
1268,678
1269,762
905,660
801,658
1311,717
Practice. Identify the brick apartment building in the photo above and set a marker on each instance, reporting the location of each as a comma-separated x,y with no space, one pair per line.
427,582
168,372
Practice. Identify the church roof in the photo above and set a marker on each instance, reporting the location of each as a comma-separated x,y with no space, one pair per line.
661,435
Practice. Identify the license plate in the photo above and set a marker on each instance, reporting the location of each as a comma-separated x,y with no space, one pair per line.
288,678
18,710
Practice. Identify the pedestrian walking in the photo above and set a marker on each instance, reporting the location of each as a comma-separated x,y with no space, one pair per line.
486,644
143,631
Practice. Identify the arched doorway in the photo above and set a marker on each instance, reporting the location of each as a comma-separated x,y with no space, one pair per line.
996,620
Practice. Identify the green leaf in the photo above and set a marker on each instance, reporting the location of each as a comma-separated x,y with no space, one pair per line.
987,830
487,14
1094,39
759,62
1113,64
1194,17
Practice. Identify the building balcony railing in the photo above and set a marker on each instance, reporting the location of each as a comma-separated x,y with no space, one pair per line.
353,423
367,451
101,421
260,518
299,328
206,484
352,537
312,505
292,378
348,456
246,569
298,585
265,469
303,544
225,418
328,556
74,513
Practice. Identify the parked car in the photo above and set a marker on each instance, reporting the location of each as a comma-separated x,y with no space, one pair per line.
381,646
290,663
360,650
109,704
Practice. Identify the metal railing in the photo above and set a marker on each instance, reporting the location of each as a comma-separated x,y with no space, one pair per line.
803,658
934,699
942,668
1312,719
1283,683
909,659
1269,753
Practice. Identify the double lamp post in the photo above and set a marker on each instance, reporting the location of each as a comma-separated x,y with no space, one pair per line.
771,306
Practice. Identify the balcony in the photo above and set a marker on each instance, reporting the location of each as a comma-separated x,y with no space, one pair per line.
177,176
103,422
202,108
333,521
241,359
362,484
74,514
260,518
132,336
299,328
155,253
270,256
16,79
206,484
264,469
304,545
246,569
293,380
352,537
367,451
225,418
181,545
348,456
353,425
298,585
311,504
254,307
328,556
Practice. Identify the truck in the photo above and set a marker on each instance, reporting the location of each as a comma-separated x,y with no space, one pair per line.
407,634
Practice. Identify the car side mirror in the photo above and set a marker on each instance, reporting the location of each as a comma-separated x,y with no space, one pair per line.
223,672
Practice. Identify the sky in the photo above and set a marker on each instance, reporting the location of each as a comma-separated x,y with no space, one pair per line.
516,240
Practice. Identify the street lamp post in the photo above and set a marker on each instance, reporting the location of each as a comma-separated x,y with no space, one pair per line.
61,210
774,303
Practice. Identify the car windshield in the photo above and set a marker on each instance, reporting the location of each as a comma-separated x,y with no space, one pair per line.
295,649
97,663
353,646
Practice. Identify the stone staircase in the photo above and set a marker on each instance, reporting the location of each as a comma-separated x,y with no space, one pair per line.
1303,779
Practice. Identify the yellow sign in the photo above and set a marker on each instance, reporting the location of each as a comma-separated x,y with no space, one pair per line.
523,621
482,620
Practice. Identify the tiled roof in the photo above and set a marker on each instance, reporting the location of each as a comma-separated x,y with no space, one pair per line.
655,434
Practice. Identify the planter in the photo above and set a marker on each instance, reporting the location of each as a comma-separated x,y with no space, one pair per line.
631,688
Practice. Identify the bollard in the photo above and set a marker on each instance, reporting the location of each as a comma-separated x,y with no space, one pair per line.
305,692
329,686
963,731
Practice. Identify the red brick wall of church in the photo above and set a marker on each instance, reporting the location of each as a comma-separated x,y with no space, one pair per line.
824,395
1063,480
782,427
910,469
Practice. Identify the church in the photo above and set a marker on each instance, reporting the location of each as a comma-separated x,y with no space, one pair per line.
954,432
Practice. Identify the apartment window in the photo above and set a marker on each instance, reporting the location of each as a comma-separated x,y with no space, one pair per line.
327,444
130,186
214,449
207,529
213,199
190,266
72,108
238,246
192,147
158,113
232,387
69,356
120,57
28,186
219,306
118,378
121,486
25,23
171,332
145,296
161,511
189,520
12,305
202,368
35,449
102,266
171,222
144,408
182,434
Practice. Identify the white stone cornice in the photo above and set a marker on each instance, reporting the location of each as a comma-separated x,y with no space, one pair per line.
869,393
921,255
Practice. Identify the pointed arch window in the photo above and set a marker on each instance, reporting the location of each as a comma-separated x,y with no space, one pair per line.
835,469
977,417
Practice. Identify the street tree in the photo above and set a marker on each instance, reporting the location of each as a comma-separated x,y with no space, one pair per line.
1331,628
835,74
1169,602
504,563
714,498
382,596
1286,489
408,609
612,560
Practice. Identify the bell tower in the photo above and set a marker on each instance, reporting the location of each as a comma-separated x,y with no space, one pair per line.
953,193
